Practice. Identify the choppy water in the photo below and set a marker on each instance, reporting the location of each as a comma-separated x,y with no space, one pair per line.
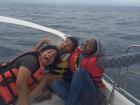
116,27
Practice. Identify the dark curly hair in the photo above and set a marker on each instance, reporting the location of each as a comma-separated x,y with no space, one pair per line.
57,58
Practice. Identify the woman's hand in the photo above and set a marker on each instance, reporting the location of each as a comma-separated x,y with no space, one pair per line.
43,41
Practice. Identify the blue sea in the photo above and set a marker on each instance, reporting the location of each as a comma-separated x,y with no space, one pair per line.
116,26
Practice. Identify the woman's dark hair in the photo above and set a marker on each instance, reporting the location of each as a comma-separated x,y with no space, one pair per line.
57,58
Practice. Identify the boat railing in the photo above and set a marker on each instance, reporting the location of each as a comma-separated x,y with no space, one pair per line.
121,90
125,75
122,78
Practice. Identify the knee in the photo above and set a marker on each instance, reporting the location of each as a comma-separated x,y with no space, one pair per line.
55,83
81,72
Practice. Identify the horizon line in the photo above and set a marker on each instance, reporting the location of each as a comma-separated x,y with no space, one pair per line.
71,4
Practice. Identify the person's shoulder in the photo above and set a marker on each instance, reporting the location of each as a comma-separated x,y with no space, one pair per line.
31,62
30,57
78,49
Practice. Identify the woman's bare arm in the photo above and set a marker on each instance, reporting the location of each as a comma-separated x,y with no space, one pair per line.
123,60
39,88
22,88
40,44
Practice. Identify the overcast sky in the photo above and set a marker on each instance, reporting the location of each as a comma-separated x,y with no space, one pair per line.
94,2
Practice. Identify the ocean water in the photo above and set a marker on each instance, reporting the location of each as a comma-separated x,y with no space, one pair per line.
117,27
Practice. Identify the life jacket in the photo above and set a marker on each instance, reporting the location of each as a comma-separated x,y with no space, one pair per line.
73,60
88,64
96,72
8,77
62,67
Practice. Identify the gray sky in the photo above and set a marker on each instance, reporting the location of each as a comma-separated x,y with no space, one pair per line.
94,2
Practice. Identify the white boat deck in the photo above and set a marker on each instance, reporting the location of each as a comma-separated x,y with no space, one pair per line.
55,100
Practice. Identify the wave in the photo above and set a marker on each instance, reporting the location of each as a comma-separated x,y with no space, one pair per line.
127,23
6,53
25,42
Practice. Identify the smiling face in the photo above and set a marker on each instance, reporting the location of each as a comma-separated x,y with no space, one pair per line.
48,56
66,46
90,47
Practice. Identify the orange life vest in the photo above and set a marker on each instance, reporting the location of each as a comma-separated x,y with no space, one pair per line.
8,77
73,60
96,72
88,64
